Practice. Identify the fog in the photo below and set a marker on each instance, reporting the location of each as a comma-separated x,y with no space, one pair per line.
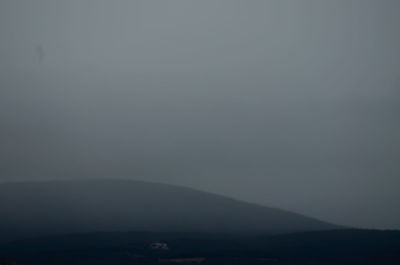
291,104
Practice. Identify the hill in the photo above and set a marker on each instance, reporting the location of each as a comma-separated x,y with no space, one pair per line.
30,209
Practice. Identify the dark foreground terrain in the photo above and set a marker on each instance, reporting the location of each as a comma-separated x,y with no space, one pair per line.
328,247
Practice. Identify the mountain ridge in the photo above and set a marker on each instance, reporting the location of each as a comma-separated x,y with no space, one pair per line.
76,206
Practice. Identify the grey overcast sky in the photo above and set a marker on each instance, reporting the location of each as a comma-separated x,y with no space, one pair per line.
287,103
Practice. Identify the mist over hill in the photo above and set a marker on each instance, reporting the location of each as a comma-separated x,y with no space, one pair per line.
287,103
31,209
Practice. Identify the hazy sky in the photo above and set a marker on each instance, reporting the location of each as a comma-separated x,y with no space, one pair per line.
287,103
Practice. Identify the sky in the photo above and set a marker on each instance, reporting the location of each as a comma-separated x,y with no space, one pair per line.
291,103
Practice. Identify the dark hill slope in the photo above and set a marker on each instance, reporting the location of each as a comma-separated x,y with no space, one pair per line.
58,207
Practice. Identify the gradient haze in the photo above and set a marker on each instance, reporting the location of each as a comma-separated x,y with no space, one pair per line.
291,103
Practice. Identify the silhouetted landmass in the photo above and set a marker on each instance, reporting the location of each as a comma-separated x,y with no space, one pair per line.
333,247
6,262
30,209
